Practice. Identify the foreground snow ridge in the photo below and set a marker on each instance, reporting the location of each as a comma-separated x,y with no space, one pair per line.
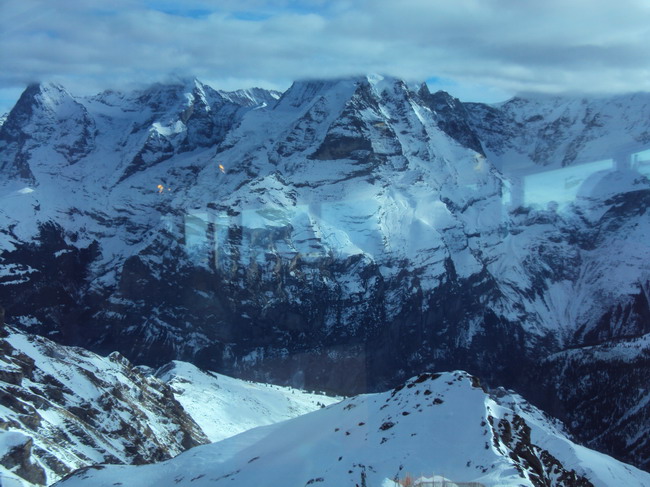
440,424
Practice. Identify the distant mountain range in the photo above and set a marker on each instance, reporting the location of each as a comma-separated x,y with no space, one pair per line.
342,236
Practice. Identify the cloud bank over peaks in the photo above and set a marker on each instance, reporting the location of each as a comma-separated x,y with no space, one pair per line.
480,50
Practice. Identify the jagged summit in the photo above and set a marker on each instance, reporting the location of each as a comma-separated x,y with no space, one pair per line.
45,91
37,100
256,97
301,92
44,114
311,89
190,89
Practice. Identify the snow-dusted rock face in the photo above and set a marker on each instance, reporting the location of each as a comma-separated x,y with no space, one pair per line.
442,424
341,237
553,130
63,408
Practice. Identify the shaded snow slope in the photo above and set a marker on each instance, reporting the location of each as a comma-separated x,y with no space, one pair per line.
435,423
607,409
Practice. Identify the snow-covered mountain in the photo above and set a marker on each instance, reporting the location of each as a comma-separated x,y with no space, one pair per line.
341,237
62,408
442,424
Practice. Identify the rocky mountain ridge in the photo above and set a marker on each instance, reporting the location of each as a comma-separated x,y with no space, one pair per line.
65,408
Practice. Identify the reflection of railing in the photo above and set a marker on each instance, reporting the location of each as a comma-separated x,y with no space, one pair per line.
561,185
448,483
433,481
641,162
271,228
536,185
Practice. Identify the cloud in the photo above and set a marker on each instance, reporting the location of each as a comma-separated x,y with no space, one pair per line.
505,46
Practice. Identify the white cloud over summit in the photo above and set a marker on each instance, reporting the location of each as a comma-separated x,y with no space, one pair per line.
476,48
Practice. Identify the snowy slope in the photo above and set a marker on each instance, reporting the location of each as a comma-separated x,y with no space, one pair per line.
435,423
587,161
280,175
364,167
234,405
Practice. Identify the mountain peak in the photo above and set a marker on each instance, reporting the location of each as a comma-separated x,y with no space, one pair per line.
252,97
46,96
307,91
381,82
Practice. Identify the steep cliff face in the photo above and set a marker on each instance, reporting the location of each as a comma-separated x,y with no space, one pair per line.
48,119
343,236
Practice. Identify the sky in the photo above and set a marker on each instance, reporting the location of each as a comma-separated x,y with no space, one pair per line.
478,50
